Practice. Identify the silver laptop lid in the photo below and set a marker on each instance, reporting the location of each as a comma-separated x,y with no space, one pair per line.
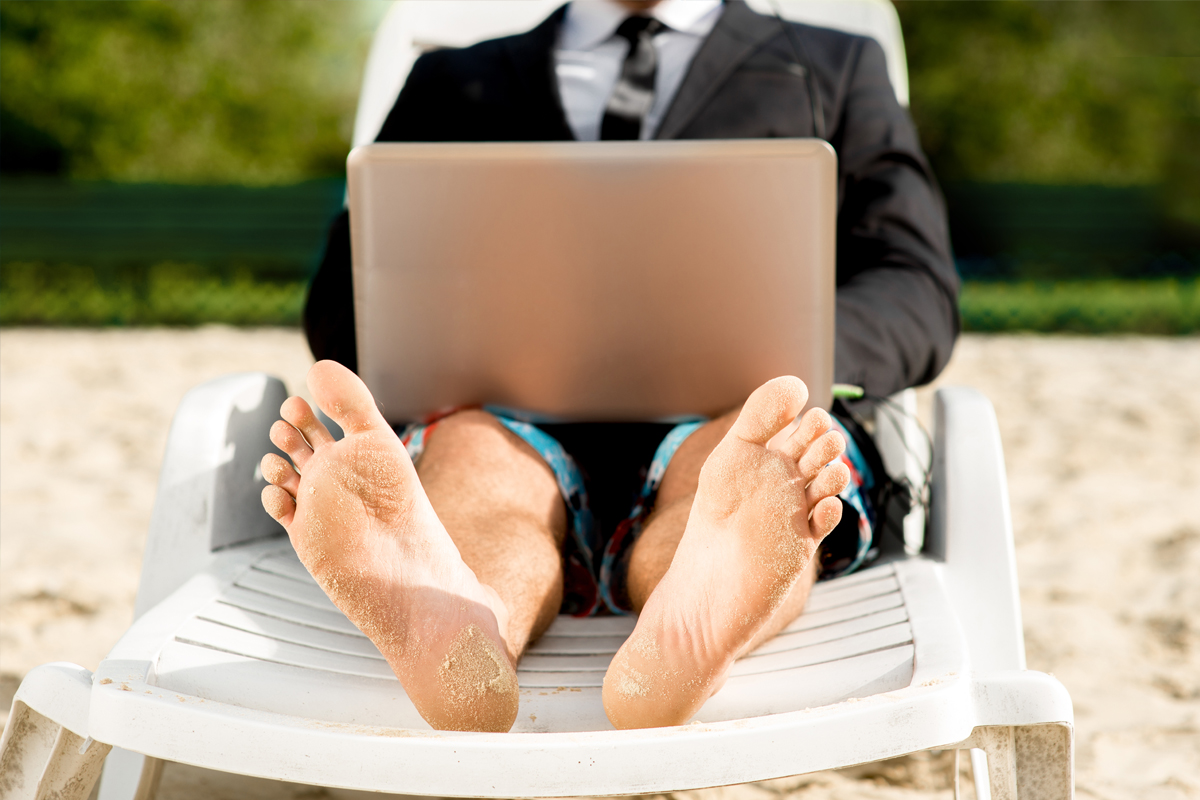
592,281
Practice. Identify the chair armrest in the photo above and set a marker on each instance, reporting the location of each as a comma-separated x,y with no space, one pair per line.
45,750
60,692
210,483
970,528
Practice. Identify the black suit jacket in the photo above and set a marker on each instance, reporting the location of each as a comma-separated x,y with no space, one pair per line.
897,315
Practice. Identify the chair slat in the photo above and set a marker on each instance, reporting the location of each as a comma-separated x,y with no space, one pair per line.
848,647
297,591
560,680
220,637
815,619
284,689
853,579
286,631
791,640
812,686
591,626
577,645
256,601
286,564
535,662
845,595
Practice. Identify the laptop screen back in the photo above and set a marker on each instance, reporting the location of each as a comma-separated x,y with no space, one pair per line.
592,281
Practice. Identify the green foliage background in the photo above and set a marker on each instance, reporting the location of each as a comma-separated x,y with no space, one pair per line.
263,91
1100,92
211,91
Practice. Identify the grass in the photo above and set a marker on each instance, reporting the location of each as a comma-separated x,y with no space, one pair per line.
180,294
1164,307
165,294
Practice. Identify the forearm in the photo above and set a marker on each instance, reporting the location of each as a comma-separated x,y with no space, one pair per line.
895,329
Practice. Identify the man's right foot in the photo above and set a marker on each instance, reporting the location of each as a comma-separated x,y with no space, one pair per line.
362,525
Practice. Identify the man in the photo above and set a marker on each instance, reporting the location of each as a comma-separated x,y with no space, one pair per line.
454,566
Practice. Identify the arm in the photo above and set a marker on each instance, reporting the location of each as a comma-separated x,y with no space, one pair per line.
897,297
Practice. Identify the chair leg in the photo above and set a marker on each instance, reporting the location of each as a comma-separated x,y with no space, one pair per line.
983,787
1030,762
41,760
997,742
1045,756
130,776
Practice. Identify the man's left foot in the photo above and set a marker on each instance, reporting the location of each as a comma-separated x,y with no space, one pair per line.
759,514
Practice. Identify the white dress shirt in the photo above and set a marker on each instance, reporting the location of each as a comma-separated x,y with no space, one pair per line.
589,55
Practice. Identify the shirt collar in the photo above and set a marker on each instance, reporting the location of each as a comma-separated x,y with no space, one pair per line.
590,22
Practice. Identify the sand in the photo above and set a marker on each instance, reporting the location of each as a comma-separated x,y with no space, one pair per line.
1102,441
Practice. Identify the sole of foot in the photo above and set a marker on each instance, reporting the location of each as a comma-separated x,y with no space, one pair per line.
360,522
761,509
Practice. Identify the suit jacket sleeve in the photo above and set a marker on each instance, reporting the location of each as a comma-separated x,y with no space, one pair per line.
329,310
897,309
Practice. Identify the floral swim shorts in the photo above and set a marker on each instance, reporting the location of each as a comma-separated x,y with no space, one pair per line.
593,564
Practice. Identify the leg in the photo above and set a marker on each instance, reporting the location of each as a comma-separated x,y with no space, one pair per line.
500,503
363,525
728,558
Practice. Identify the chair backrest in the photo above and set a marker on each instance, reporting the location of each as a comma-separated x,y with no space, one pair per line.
414,26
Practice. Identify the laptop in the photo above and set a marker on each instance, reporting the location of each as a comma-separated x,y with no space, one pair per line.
592,281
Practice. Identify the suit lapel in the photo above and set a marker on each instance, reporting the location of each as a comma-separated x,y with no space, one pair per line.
738,33
532,56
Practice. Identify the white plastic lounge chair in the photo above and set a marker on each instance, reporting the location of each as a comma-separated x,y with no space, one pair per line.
237,662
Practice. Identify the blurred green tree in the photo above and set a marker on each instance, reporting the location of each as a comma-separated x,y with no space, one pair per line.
186,91
262,91
1060,92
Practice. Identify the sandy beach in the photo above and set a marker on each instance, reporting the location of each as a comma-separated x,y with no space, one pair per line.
1102,442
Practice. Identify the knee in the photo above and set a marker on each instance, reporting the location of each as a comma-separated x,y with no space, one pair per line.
477,445
682,475
471,435
474,448
469,423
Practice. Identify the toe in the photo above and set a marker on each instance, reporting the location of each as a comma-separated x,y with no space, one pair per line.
300,416
825,517
819,453
814,423
829,482
344,397
279,504
279,472
770,409
289,440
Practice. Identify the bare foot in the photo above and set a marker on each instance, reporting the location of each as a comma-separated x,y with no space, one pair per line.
760,512
361,523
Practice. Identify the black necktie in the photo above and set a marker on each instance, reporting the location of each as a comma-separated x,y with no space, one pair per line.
633,95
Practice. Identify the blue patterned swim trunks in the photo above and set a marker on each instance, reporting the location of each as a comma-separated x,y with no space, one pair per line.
592,563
